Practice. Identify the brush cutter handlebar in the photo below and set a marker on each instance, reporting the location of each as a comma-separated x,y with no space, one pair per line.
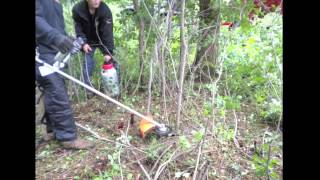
56,69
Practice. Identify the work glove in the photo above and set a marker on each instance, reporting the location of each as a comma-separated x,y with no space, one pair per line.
64,44
77,45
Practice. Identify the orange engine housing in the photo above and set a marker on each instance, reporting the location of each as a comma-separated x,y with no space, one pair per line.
145,127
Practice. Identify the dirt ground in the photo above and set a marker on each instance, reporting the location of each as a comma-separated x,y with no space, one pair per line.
161,158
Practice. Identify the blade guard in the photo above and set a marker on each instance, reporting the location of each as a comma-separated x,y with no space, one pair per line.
145,127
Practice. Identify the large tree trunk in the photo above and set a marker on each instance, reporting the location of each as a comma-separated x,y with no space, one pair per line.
207,47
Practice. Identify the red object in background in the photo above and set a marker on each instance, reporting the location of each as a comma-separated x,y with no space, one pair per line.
266,6
268,3
231,25
227,24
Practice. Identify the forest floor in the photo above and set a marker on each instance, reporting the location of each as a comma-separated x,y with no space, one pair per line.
176,157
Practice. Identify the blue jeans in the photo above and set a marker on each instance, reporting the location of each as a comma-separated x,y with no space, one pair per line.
88,66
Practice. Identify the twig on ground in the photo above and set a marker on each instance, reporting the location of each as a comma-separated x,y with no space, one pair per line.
198,159
96,135
268,161
119,160
204,171
163,165
141,166
136,161
163,153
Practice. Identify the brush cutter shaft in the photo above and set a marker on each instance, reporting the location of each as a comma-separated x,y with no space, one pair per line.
98,92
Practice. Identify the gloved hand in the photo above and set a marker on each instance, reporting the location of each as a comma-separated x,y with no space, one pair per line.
77,45
64,44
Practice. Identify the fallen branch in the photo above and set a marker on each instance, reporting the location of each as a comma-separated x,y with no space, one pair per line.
269,155
198,159
141,166
163,153
137,160
243,153
182,153
163,165
119,160
96,135
133,162
239,150
204,171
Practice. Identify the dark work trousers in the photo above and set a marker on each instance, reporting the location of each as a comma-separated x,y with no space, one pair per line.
58,110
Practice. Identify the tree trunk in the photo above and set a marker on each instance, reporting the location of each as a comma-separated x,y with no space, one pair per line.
141,49
39,106
183,60
208,41
150,80
141,42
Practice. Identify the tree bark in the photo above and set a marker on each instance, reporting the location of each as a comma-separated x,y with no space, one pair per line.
183,60
207,47
141,41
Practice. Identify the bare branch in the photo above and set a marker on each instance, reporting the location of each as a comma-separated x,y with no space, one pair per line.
183,60
269,155
96,135
163,165
198,159
141,166
163,153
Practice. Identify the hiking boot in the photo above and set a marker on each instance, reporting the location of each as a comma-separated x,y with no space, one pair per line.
77,144
48,137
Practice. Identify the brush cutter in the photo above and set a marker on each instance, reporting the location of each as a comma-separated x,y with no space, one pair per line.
146,125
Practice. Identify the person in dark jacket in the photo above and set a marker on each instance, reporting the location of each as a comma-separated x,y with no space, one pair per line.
93,23
51,38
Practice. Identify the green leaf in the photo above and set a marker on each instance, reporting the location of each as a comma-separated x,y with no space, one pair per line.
198,135
274,162
129,176
98,178
274,175
245,25
184,143
251,41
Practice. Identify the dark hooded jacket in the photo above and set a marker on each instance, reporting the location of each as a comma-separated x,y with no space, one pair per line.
50,25
87,26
